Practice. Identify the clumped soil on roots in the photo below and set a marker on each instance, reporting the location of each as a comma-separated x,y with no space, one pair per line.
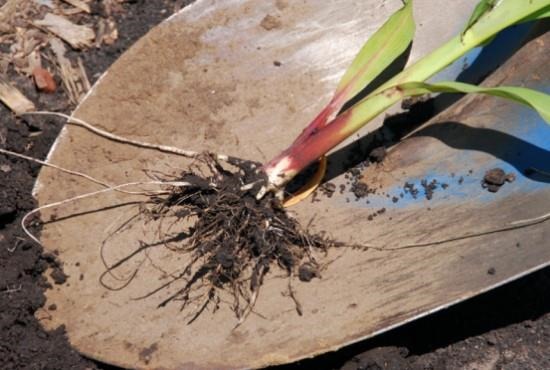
233,238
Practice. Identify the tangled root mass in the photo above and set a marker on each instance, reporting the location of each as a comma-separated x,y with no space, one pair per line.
234,239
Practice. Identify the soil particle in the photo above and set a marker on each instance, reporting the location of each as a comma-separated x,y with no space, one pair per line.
409,188
491,271
360,190
429,187
328,189
58,276
146,354
308,271
342,188
495,178
376,213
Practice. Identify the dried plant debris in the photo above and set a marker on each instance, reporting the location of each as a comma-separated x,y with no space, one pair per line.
79,4
7,12
75,80
233,239
78,36
28,29
13,98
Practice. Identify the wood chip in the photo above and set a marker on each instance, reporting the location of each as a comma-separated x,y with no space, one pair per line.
77,36
34,60
82,5
6,14
107,32
14,99
74,79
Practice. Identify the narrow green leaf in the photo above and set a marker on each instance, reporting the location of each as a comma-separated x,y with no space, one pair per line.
482,8
535,99
492,17
541,14
382,48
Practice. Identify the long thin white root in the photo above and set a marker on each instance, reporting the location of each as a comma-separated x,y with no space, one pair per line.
163,148
51,165
91,194
513,225
67,171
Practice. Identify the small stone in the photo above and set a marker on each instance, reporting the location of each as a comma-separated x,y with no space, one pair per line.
44,80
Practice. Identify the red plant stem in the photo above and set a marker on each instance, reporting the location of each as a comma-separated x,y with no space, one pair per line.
307,149
310,148
322,119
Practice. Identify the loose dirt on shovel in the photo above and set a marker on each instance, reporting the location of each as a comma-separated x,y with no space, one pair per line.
508,328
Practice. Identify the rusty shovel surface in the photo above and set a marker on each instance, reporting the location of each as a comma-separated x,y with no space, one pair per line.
243,77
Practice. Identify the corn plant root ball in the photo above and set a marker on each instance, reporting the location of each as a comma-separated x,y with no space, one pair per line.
234,239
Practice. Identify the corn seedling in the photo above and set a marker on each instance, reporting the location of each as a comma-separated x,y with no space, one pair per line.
321,135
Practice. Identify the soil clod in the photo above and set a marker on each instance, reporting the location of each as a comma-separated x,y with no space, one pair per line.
495,178
58,276
308,271
429,188
360,190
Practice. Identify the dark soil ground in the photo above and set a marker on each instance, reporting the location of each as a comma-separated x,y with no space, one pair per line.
508,328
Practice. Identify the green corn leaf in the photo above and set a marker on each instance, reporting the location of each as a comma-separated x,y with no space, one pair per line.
535,99
382,48
490,16
326,132
541,14
482,8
